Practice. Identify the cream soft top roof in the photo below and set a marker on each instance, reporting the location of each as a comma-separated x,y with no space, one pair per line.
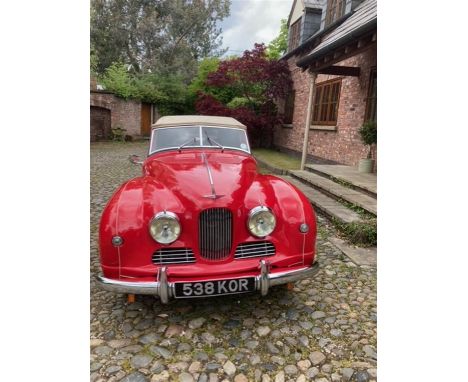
205,120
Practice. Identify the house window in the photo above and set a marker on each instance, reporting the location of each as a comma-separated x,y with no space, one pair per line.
371,104
335,9
289,107
327,97
294,35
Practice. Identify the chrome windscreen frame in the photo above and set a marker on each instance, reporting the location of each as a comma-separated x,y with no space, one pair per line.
201,146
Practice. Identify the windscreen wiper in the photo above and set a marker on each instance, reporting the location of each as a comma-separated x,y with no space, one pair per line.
211,140
194,139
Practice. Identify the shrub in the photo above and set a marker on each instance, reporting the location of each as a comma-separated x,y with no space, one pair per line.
238,102
255,83
368,133
359,233
168,92
118,80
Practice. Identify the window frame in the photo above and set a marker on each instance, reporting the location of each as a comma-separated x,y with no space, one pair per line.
322,88
371,99
335,10
294,34
289,104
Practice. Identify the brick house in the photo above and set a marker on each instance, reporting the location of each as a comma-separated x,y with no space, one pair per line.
107,111
332,56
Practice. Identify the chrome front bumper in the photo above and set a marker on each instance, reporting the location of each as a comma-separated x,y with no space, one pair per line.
165,289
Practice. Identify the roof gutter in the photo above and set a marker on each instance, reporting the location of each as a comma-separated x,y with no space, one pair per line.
305,61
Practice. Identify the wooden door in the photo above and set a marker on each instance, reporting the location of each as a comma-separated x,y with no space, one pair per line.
100,123
145,119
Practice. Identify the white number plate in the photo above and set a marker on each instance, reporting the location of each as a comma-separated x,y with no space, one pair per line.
214,288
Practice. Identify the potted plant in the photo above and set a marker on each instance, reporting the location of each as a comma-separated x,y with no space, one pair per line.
368,132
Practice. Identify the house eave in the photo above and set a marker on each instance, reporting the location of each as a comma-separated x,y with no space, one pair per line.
354,35
307,43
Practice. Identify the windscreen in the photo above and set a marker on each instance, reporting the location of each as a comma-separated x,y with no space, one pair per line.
175,137
194,136
215,136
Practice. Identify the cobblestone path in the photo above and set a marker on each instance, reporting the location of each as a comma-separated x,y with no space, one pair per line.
323,330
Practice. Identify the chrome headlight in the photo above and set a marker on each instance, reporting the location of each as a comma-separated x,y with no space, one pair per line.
261,221
165,227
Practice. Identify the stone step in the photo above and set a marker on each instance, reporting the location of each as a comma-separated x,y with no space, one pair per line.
336,190
359,256
366,183
324,203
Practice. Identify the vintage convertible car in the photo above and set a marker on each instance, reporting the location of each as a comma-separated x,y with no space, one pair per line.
201,221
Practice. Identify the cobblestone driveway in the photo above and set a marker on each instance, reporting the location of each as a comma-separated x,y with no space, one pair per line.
323,330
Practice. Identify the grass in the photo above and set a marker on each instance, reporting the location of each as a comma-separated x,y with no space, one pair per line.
277,159
362,234
126,365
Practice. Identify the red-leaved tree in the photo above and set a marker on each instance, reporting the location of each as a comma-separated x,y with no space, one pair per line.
258,81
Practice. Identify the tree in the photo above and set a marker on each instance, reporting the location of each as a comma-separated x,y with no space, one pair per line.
199,83
256,82
278,46
253,76
169,92
118,80
164,36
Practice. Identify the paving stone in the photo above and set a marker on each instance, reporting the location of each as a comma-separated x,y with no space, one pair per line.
135,377
229,368
240,378
186,377
141,361
197,323
279,377
316,358
263,331
347,374
361,376
163,376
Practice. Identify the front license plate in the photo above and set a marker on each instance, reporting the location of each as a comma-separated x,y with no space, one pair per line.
214,288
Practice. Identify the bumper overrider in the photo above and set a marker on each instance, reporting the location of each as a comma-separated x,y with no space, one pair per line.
165,289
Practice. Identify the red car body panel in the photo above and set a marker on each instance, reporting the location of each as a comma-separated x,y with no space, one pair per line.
178,182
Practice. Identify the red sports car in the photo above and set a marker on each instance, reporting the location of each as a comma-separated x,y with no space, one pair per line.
201,221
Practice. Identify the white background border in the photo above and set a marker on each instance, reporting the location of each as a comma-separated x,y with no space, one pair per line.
422,254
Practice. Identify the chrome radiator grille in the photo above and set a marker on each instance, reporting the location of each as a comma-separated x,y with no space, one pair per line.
173,256
215,233
254,249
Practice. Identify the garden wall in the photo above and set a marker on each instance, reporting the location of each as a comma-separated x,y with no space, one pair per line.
123,113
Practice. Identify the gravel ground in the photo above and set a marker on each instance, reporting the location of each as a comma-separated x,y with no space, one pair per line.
322,330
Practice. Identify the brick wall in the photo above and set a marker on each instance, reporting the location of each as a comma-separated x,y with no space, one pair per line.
127,114
344,144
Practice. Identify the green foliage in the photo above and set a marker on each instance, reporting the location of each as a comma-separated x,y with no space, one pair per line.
279,45
205,67
165,36
148,89
93,62
238,102
118,80
168,92
359,233
368,133
199,83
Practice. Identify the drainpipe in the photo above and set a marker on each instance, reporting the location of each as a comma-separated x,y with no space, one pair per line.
310,110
